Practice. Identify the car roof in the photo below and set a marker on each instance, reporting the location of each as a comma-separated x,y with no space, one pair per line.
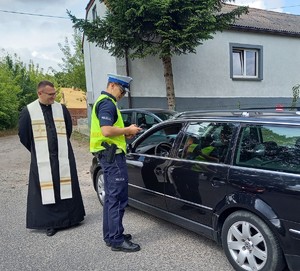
252,115
152,110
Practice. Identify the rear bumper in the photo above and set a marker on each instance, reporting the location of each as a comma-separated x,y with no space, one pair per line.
291,244
293,262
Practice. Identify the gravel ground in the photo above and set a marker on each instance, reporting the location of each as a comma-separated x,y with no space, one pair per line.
164,246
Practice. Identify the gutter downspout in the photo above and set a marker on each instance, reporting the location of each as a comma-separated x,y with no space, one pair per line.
127,73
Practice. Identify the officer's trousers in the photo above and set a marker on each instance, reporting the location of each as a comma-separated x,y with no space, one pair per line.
116,198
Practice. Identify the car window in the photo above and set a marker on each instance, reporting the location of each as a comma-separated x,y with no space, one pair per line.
206,141
273,147
126,118
145,121
165,134
164,115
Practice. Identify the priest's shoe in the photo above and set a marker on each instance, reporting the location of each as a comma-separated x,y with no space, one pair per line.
127,237
51,232
126,246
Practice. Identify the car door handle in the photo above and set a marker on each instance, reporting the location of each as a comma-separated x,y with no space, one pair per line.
216,182
158,171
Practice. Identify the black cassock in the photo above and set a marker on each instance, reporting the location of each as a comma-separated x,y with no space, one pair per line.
63,213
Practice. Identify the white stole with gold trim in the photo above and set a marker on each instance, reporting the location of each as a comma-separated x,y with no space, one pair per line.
42,152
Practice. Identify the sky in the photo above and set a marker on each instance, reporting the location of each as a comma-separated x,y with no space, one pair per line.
285,6
33,37
36,38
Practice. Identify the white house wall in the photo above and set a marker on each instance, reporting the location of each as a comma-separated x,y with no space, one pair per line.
201,80
207,73
98,63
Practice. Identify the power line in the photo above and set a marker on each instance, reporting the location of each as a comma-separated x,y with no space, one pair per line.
33,14
294,6
67,18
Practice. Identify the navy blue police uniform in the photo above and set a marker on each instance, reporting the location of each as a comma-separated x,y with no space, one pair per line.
115,180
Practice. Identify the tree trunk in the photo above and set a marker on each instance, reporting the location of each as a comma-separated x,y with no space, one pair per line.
168,74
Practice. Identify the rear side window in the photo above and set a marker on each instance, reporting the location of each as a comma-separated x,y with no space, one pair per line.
275,148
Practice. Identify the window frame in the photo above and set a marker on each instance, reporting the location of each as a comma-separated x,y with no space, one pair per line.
94,12
258,49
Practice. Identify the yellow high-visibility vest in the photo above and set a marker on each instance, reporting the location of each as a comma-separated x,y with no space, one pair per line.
96,136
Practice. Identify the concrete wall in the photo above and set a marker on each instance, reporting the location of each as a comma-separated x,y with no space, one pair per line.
77,113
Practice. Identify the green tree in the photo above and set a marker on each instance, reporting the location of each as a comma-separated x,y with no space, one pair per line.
26,77
18,83
9,105
138,28
73,72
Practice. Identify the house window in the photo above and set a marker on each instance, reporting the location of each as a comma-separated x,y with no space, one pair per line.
246,62
94,12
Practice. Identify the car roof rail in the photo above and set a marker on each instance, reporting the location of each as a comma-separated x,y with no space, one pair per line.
243,112
277,108
197,113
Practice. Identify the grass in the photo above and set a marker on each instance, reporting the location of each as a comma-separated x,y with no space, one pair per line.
81,138
9,132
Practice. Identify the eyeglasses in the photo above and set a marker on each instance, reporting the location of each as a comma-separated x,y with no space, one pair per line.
122,89
50,94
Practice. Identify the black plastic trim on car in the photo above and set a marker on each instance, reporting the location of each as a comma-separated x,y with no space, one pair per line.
145,189
175,219
170,197
189,202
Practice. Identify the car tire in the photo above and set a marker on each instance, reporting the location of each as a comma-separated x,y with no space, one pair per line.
249,244
100,186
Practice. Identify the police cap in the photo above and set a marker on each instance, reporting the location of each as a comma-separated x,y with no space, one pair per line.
122,80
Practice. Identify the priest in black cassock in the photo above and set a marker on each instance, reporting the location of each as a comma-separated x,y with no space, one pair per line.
54,199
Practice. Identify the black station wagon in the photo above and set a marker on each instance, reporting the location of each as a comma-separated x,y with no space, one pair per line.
231,176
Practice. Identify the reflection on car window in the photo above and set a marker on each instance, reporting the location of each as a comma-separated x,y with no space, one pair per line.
164,116
145,121
269,147
126,119
165,134
206,141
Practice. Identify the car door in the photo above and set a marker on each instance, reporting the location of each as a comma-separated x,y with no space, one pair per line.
199,174
268,169
147,163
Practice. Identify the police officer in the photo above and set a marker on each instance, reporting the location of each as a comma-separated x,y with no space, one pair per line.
108,140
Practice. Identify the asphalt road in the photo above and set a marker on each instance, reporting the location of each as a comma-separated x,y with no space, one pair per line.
164,246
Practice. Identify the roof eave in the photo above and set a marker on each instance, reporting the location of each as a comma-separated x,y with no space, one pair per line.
264,31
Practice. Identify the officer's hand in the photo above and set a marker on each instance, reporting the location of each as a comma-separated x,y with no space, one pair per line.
129,136
133,129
